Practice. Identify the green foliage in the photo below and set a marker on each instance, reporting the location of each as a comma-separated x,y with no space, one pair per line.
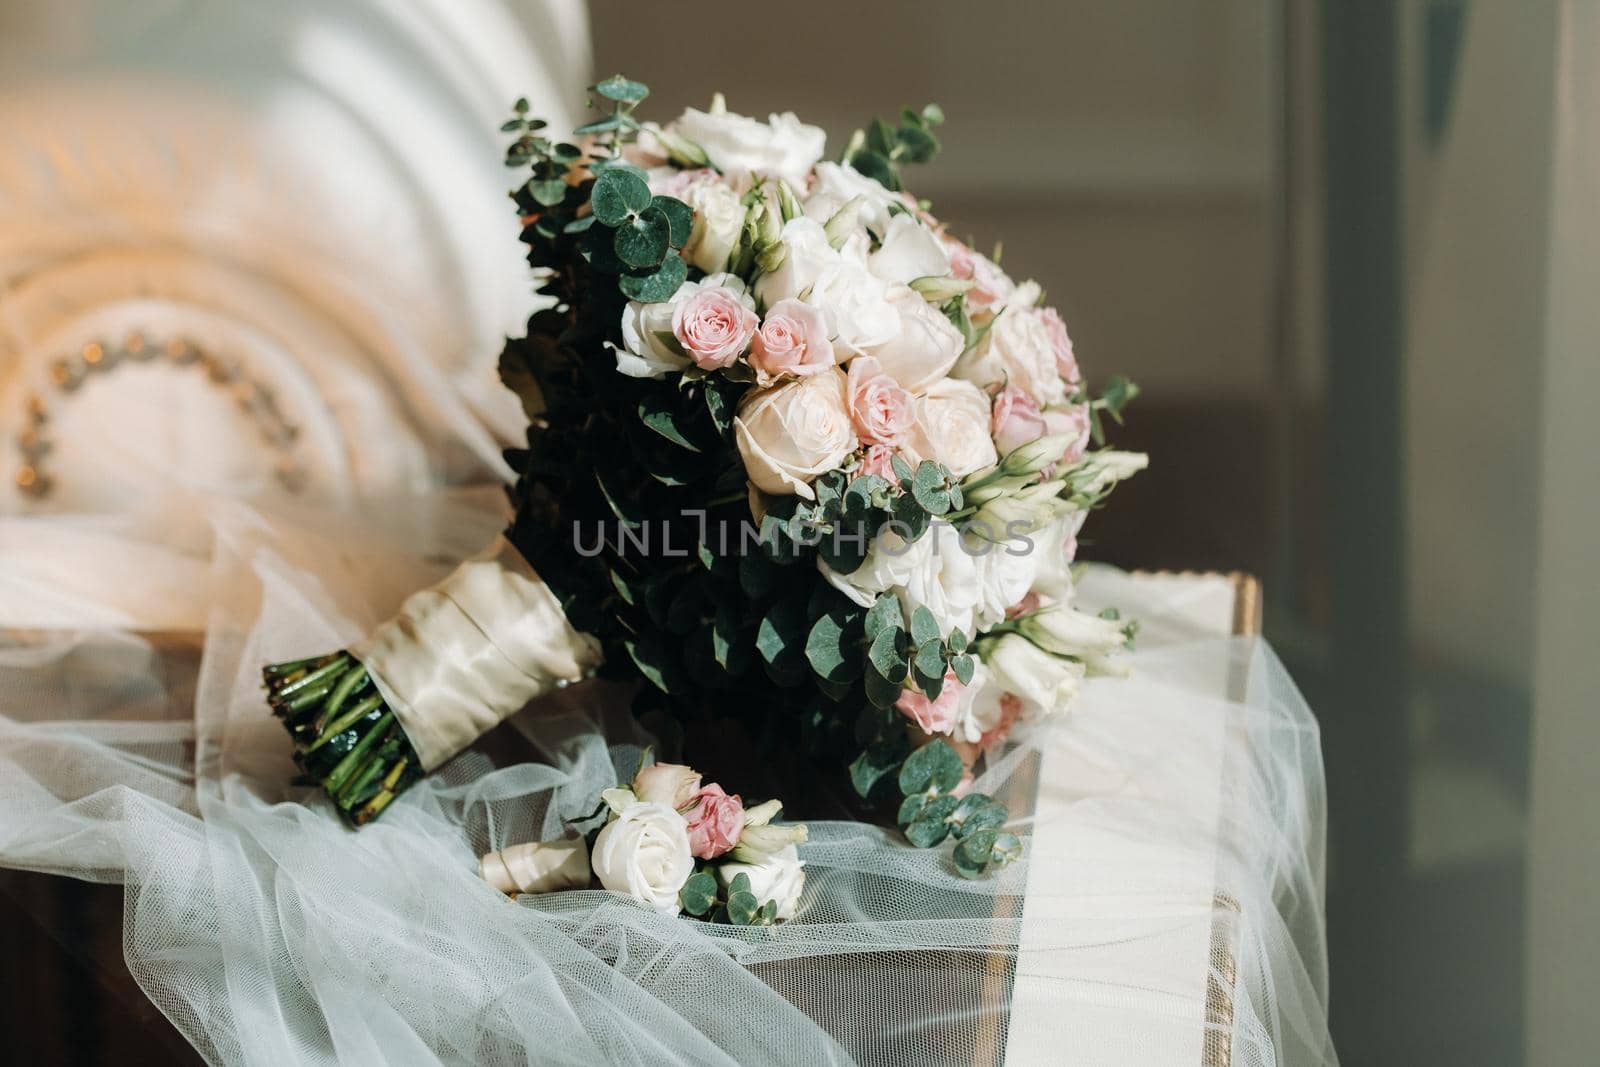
699,894
986,848
934,767
1118,393
621,90
743,907
879,151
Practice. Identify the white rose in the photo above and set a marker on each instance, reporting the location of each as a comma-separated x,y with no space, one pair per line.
1018,351
1006,573
780,877
782,147
670,784
934,572
926,346
649,347
1054,549
909,251
718,218
790,433
644,853
836,281
836,184
1046,684
953,427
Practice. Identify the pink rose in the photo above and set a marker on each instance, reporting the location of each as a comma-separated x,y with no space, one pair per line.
882,411
991,286
677,183
1017,420
715,822
879,460
1066,362
1010,711
713,327
934,716
1071,422
792,340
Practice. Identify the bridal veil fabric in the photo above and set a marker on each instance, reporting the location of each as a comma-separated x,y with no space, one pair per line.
271,933
277,236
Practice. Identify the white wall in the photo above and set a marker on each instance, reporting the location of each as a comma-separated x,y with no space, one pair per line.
1123,151
1564,852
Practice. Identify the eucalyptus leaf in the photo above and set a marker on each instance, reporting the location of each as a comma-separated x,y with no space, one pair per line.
699,893
876,763
881,692
617,194
655,287
884,655
935,766
977,812
644,240
926,833
924,627
621,89
833,646
680,218
781,634
911,807
620,121
743,907
885,614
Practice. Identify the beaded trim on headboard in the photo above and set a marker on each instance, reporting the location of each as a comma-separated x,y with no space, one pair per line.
97,358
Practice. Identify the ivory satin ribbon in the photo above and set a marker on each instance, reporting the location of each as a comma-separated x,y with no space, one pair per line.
469,652
538,868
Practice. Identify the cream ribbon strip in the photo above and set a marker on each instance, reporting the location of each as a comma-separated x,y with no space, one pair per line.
466,654
541,867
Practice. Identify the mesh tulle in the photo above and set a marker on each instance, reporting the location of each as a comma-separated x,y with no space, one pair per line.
1168,909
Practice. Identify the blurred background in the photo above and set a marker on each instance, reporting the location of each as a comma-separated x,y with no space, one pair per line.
1347,249
1329,242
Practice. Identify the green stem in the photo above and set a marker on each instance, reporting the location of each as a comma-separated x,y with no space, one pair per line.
349,719
347,766
346,738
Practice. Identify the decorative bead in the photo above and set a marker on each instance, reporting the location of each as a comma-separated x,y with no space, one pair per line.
31,481
252,397
66,374
32,444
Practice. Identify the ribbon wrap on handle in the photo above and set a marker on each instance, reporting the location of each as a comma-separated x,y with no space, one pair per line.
541,867
464,655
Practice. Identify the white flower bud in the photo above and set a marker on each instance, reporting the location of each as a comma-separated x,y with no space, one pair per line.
756,843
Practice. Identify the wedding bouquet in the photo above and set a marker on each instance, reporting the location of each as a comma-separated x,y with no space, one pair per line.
799,459
674,845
